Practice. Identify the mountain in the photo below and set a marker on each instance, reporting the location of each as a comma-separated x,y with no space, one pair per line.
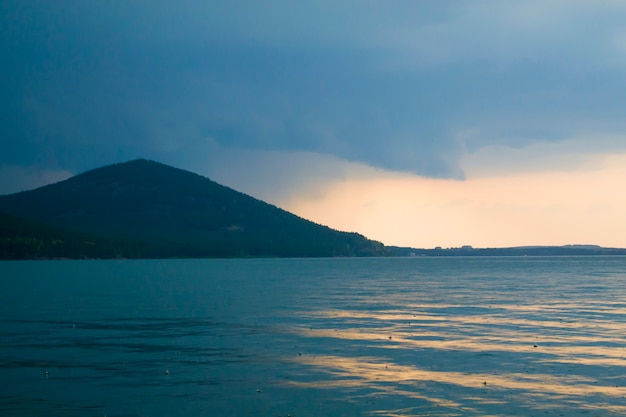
143,209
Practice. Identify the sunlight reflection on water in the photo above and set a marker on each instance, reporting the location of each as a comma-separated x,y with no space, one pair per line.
514,357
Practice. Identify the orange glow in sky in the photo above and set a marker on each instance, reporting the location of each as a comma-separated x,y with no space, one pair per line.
582,204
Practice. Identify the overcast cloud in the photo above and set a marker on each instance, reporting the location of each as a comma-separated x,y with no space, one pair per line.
410,86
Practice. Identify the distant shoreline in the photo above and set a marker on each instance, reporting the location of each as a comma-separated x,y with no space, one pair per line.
521,251
395,252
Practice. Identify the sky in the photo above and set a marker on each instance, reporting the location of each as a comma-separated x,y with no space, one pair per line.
416,123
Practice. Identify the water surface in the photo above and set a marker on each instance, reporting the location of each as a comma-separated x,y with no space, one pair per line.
314,337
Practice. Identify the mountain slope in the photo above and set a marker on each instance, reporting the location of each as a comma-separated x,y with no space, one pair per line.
176,213
24,239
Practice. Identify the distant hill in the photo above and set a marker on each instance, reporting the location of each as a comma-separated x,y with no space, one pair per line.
567,250
144,209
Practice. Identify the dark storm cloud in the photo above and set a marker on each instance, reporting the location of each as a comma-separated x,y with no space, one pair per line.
399,85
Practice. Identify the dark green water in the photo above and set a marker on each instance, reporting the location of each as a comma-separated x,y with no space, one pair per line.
314,337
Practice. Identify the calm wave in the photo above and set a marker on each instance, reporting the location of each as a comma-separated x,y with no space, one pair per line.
314,337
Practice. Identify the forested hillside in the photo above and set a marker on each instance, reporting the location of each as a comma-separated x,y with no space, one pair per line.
146,209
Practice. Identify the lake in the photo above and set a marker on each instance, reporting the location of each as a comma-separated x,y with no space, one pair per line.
314,337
